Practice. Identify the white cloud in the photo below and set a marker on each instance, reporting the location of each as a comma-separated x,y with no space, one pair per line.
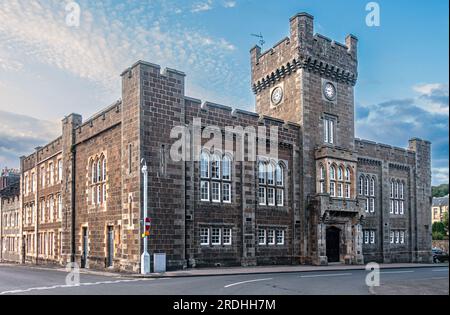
440,175
202,6
106,43
229,4
433,98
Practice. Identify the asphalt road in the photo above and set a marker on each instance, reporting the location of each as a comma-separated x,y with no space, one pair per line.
26,280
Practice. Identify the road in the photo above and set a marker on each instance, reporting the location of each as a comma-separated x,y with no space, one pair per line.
25,280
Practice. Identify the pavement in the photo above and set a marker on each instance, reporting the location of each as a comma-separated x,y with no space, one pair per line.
289,280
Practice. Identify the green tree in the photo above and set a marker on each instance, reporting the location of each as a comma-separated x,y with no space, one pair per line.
440,191
438,227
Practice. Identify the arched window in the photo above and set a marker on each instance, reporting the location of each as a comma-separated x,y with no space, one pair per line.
99,171
348,175
323,174
402,190
226,168
104,169
367,186
340,173
333,173
361,185
396,189
270,172
332,179
261,173
215,166
392,188
280,175
372,186
93,172
204,165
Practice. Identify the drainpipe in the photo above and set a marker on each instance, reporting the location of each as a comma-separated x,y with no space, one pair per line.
73,190
145,257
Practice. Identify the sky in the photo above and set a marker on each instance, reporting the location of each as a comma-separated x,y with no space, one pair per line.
50,68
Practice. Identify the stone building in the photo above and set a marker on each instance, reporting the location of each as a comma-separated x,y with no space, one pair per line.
326,197
10,227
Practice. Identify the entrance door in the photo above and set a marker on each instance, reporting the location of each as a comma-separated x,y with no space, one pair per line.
84,254
333,244
110,246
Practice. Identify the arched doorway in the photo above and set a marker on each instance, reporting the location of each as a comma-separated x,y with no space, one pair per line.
333,244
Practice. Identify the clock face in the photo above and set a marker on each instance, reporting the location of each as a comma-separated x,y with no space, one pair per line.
329,90
277,95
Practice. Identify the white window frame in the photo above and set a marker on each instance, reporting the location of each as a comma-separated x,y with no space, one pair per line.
217,236
226,188
216,167
333,189
402,237
279,176
226,168
204,158
366,237
392,237
372,237
262,199
271,238
347,191
202,188
279,198
262,237
402,207
227,236
372,205
280,235
270,174
203,235
271,200
215,187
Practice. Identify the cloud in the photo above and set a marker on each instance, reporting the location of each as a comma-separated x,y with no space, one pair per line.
433,97
201,7
110,38
396,121
229,4
20,134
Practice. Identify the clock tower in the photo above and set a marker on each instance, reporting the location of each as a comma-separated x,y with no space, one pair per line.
309,79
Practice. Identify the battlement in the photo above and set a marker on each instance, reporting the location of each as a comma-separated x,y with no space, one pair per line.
304,50
166,72
230,113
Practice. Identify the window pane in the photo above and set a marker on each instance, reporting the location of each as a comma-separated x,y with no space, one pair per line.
226,192
270,171
215,167
261,237
261,173
271,237
215,236
226,168
204,236
262,195
271,196
226,236
204,165
280,237
204,191
280,175
215,192
280,197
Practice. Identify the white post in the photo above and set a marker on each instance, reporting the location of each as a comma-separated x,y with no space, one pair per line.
145,258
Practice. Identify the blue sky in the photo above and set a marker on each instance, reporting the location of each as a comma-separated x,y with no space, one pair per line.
48,69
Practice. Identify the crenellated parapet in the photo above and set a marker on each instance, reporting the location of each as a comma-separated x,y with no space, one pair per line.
305,50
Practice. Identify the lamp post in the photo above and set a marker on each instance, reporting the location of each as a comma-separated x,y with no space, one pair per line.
145,257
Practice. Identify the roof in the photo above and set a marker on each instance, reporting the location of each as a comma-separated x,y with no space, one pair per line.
11,190
440,202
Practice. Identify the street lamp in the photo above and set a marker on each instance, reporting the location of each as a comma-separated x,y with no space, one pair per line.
145,257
